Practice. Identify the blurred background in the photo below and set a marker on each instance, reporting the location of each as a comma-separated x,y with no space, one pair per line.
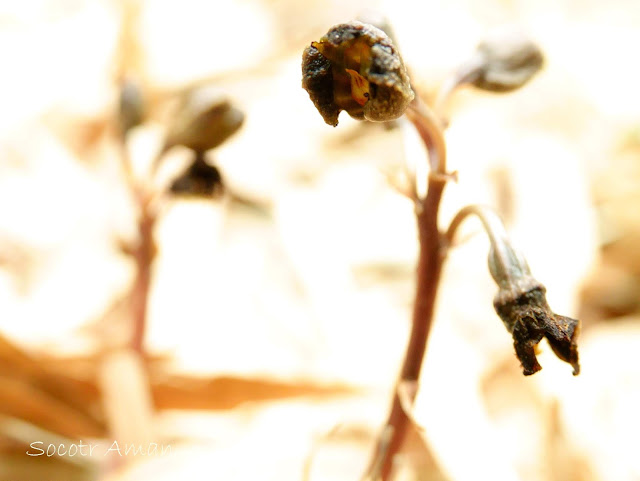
277,312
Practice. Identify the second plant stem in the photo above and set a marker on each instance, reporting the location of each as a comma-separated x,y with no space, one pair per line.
143,256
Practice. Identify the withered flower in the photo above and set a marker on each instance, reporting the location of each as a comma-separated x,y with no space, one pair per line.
522,305
503,62
199,179
355,67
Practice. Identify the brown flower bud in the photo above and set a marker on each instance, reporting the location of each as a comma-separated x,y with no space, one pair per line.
355,67
199,179
522,305
503,62
204,119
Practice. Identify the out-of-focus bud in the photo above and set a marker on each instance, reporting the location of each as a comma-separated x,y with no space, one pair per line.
522,305
504,61
205,119
199,180
132,106
355,67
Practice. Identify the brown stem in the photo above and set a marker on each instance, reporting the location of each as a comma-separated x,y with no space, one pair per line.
143,257
431,256
143,253
430,129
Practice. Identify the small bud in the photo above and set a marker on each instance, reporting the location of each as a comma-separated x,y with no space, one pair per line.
503,62
132,107
199,179
355,67
204,120
522,305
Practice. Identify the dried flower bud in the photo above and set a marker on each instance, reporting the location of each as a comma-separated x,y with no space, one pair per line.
503,62
199,179
204,120
522,305
132,107
355,67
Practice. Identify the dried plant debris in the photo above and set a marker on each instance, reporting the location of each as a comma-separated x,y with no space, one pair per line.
355,67
503,62
522,305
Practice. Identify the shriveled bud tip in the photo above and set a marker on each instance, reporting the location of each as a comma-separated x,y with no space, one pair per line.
503,62
355,67
204,119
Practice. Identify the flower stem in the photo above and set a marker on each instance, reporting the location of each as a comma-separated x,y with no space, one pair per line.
507,265
429,127
143,252
502,251
431,255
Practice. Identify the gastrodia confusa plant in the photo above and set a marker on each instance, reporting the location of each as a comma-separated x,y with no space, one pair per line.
356,68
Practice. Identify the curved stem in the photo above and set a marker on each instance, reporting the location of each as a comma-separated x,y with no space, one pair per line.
467,73
490,221
430,129
502,251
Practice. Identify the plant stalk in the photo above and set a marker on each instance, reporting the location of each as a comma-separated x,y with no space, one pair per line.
493,226
432,245
143,256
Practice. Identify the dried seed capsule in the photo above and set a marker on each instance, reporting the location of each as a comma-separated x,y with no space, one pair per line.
505,61
204,120
355,67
